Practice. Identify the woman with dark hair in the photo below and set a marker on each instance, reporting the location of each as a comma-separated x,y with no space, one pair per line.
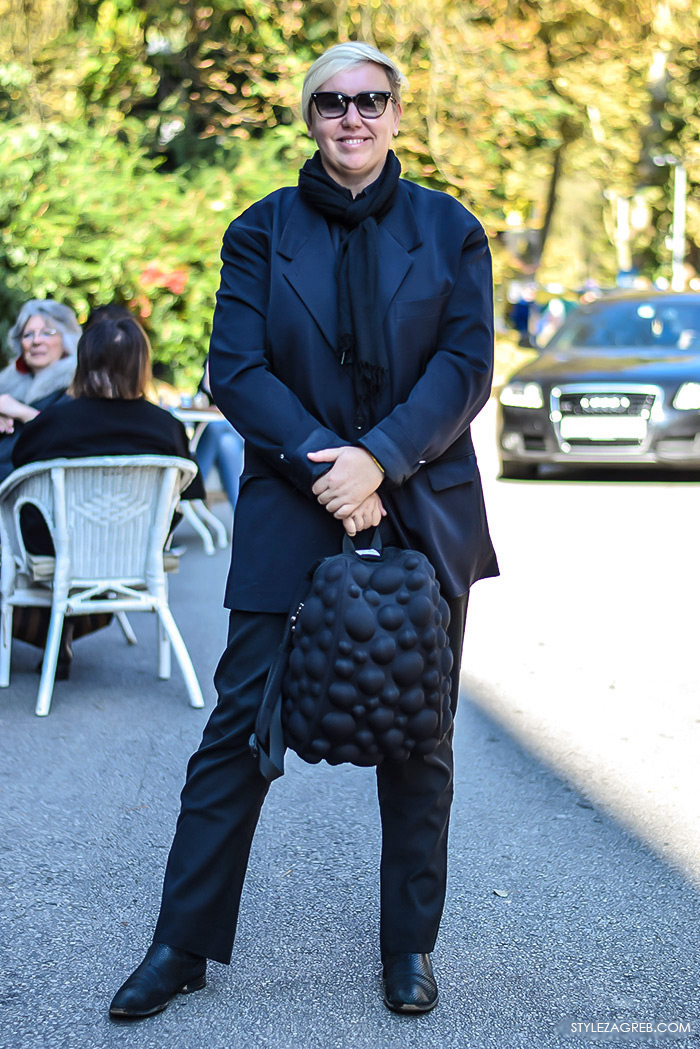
108,415
352,347
42,344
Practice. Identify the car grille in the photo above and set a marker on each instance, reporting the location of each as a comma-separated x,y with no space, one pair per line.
605,403
602,417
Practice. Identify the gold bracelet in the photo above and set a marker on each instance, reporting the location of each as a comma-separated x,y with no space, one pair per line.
376,462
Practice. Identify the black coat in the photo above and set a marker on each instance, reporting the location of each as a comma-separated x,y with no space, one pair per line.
96,426
275,375
8,441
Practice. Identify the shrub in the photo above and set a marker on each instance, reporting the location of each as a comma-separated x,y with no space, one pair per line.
87,219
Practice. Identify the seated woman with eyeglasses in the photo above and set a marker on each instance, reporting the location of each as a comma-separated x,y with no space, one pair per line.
42,345
107,415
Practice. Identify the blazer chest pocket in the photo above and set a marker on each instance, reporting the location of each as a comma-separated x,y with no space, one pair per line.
416,332
451,472
420,309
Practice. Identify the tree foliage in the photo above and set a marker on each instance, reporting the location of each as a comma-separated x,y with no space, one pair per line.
89,219
133,130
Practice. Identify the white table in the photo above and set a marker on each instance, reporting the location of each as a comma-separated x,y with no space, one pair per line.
195,511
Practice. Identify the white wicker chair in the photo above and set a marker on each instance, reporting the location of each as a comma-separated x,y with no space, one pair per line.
109,519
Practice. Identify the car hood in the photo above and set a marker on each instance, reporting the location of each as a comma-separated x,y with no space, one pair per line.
619,365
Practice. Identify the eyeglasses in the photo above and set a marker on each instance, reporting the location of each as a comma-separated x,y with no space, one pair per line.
334,104
45,334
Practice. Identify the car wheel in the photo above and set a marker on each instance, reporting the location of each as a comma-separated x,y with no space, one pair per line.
514,471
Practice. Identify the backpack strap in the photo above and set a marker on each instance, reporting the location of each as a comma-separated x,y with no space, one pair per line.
267,741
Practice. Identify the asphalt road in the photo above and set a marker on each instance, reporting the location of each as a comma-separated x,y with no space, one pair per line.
573,893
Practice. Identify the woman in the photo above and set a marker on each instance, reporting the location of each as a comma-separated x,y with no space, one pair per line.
109,415
352,346
42,345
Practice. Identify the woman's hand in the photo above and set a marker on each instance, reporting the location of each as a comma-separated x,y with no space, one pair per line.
7,425
14,409
368,515
353,477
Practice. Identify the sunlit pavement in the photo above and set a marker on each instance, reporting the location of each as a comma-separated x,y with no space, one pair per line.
587,646
556,914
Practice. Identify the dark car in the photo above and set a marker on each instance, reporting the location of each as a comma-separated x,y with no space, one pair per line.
619,383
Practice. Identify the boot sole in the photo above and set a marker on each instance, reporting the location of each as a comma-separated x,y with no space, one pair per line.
188,988
407,1007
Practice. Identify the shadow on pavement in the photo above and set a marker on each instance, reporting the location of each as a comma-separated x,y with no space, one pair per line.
554,915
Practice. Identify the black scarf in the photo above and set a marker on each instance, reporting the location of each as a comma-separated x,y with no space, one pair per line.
360,334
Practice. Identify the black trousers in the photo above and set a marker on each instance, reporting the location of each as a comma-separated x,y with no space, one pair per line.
224,792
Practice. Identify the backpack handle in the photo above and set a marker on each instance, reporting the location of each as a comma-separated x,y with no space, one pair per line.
373,552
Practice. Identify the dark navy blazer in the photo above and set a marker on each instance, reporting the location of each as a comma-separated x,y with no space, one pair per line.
275,376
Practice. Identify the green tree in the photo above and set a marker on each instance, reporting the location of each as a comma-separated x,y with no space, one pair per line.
89,219
543,109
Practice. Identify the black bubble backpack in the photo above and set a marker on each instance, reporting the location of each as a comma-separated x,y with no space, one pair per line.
363,673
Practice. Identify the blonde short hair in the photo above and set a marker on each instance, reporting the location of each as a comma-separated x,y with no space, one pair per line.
341,57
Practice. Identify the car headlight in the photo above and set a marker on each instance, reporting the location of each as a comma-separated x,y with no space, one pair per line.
688,397
522,395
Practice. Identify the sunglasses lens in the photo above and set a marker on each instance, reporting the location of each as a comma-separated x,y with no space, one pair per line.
371,104
330,105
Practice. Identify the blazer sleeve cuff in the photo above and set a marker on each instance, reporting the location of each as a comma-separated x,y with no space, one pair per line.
399,459
301,471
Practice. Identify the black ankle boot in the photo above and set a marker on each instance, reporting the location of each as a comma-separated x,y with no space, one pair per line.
163,973
409,983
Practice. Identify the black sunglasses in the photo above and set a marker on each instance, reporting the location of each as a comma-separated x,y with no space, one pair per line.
334,104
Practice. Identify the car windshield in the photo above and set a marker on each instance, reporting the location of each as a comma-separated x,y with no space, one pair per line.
656,323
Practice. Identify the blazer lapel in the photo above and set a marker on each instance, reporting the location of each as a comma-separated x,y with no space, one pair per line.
399,236
307,247
310,268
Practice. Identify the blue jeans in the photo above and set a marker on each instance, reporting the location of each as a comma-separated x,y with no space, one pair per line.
221,446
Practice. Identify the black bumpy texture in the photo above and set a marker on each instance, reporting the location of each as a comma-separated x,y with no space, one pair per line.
368,676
